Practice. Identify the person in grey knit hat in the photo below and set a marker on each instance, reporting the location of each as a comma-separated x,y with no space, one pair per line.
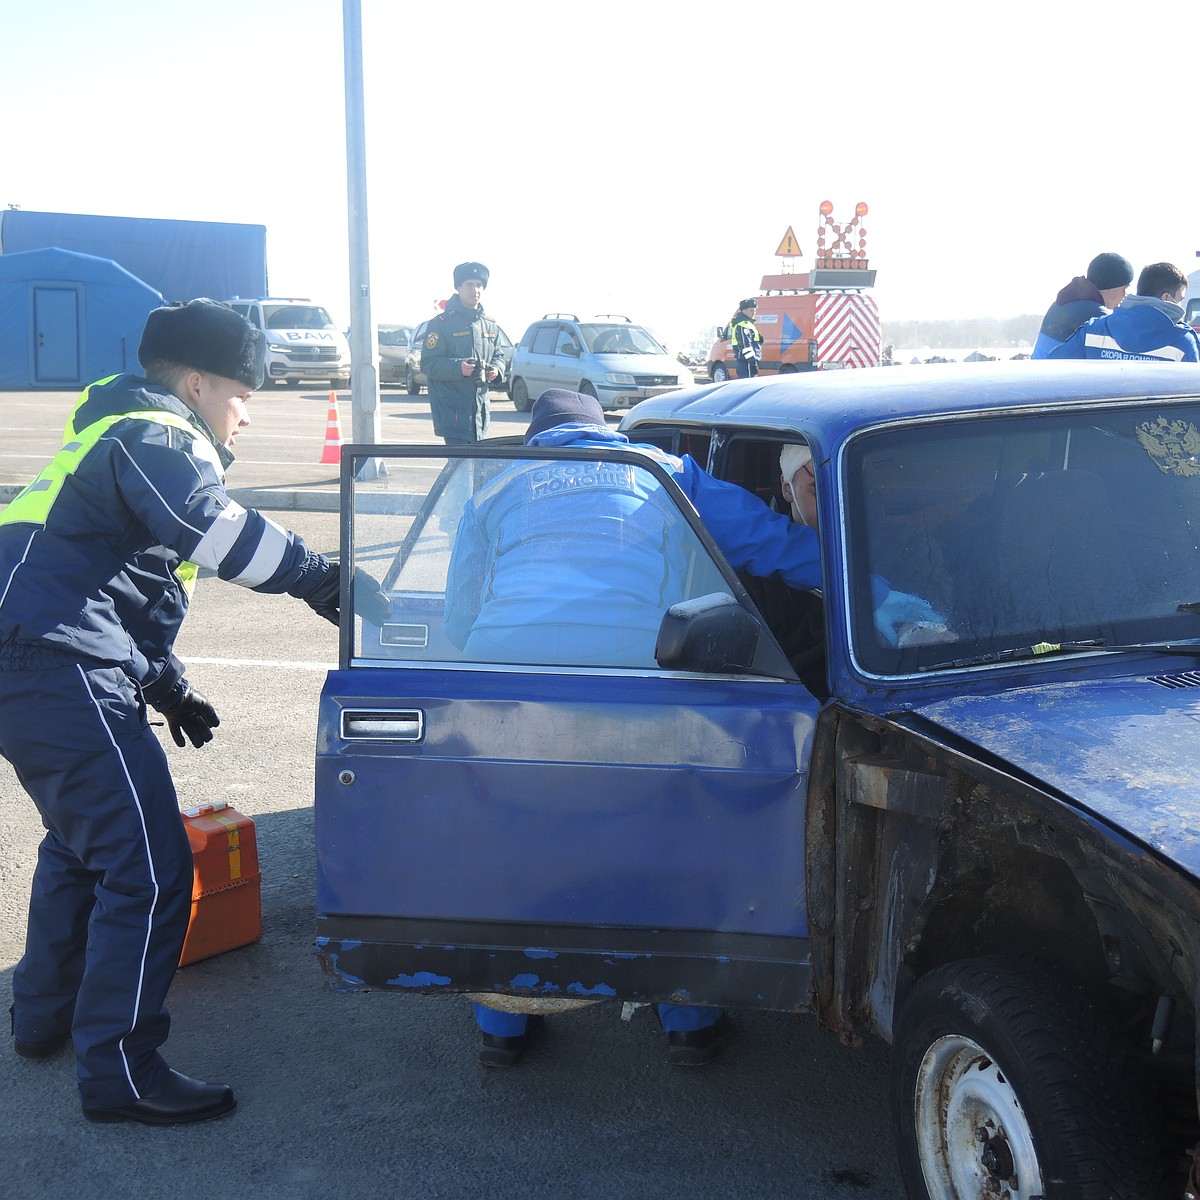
1094,294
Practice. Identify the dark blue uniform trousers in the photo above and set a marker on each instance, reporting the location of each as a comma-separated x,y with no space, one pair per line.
113,883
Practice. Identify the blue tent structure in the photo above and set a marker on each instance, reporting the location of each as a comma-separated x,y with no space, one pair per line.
67,319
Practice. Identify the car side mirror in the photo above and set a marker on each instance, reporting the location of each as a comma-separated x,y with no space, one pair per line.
712,634
570,349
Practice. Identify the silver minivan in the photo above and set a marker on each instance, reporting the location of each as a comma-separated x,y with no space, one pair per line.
608,357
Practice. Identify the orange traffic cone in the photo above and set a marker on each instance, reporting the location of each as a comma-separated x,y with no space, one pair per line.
333,433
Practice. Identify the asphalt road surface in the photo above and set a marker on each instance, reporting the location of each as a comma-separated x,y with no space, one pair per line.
380,1095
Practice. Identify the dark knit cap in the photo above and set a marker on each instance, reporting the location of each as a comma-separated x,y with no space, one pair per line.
558,407
205,336
750,303
1110,271
471,270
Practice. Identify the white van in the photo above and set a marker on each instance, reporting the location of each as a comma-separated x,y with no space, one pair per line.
302,340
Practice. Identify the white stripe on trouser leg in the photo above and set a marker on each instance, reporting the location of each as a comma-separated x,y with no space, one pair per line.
137,1002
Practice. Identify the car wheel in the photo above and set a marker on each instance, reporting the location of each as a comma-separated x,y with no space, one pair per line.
1007,1083
719,372
787,369
586,389
410,383
520,396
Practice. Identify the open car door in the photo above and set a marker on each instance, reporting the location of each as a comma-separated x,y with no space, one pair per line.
550,810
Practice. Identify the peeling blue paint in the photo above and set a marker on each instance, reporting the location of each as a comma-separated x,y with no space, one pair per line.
523,981
533,952
420,979
601,989
347,945
354,979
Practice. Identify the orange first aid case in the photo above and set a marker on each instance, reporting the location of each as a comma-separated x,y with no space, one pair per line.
226,900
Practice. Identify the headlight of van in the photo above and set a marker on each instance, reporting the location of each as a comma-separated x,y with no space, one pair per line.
619,379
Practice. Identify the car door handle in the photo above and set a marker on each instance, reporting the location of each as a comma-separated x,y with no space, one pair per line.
383,725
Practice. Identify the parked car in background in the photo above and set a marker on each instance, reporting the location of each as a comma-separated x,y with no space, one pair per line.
394,344
414,377
608,357
948,800
301,339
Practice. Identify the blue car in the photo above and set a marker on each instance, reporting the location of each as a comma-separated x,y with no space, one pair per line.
973,831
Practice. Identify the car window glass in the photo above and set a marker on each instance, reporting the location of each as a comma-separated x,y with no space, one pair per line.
1025,531
544,339
494,568
607,338
566,342
297,316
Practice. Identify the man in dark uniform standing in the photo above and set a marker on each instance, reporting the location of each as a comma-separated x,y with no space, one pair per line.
459,360
97,558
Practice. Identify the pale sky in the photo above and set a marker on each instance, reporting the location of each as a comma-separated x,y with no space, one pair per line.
636,156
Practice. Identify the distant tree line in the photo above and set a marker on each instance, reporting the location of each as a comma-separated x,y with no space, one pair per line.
968,331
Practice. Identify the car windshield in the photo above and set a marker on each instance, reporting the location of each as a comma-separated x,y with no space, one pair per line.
394,337
296,316
1016,535
619,339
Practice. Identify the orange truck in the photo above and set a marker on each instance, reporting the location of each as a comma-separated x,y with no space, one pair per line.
821,319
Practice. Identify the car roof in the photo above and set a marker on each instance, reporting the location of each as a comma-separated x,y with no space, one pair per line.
831,404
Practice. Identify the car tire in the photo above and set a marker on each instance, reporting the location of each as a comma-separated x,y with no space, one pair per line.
411,386
520,396
586,389
1006,1081
719,372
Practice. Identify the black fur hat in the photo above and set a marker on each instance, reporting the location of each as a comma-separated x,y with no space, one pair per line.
206,336
470,270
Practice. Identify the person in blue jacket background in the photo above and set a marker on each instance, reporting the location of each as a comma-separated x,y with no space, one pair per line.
1095,294
1147,326
97,557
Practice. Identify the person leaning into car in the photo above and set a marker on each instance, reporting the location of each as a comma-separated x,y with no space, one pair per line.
97,558
460,360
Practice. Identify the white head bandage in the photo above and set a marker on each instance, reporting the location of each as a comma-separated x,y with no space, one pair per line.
791,459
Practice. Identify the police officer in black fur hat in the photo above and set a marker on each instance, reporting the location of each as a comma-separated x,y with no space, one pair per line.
459,360
97,559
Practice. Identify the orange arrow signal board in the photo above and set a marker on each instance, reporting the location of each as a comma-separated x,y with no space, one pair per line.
789,247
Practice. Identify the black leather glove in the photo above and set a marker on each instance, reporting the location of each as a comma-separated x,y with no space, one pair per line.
370,601
193,716
326,596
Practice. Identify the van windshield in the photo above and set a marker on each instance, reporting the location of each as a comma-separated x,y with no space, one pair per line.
619,339
296,316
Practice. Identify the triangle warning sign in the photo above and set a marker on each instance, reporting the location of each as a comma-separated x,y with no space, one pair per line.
789,247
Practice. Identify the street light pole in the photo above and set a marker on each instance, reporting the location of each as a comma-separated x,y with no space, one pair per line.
364,353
